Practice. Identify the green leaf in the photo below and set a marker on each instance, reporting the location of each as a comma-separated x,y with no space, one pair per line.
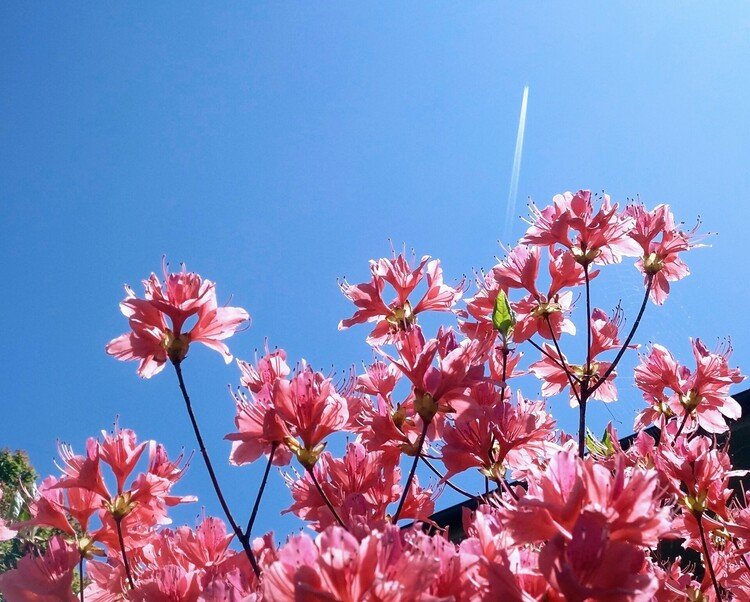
502,316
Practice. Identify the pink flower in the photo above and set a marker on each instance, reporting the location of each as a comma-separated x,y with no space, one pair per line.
546,314
259,428
699,398
361,486
628,501
46,578
437,387
312,409
498,436
152,340
590,566
549,369
660,258
336,566
267,369
399,314
591,236
698,473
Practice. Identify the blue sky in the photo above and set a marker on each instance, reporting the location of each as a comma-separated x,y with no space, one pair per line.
275,147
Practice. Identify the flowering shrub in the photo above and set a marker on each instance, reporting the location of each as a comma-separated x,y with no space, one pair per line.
559,517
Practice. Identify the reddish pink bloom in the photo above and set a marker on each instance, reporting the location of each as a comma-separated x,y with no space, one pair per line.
590,566
312,409
546,314
498,436
259,428
207,545
338,567
437,387
698,473
152,340
699,398
267,369
361,486
46,578
628,502
549,369
660,258
121,452
591,236
166,584
399,314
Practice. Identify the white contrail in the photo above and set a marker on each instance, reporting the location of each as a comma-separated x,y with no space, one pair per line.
513,193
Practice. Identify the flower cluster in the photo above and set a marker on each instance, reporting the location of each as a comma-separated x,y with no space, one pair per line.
557,516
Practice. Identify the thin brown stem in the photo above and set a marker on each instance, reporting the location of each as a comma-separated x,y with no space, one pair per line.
585,392
507,488
214,481
410,478
620,353
588,319
262,487
550,356
563,364
707,556
456,488
322,493
80,578
505,370
582,427
682,426
121,539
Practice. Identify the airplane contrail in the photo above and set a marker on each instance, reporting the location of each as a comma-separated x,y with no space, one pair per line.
513,193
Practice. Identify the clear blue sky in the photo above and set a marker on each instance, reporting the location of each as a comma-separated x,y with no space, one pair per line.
276,146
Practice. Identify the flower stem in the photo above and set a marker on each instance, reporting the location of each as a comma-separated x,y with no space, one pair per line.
254,513
410,478
80,578
238,532
582,427
620,353
585,392
707,557
682,426
456,488
562,363
322,493
550,356
128,574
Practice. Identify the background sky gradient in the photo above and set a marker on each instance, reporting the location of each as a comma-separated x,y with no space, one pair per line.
276,147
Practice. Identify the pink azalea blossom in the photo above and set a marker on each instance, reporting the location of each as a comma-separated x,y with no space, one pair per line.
549,369
697,398
498,436
590,566
660,242
628,502
44,578
336,566
398,314
157,321
361,486
590,236
312,408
